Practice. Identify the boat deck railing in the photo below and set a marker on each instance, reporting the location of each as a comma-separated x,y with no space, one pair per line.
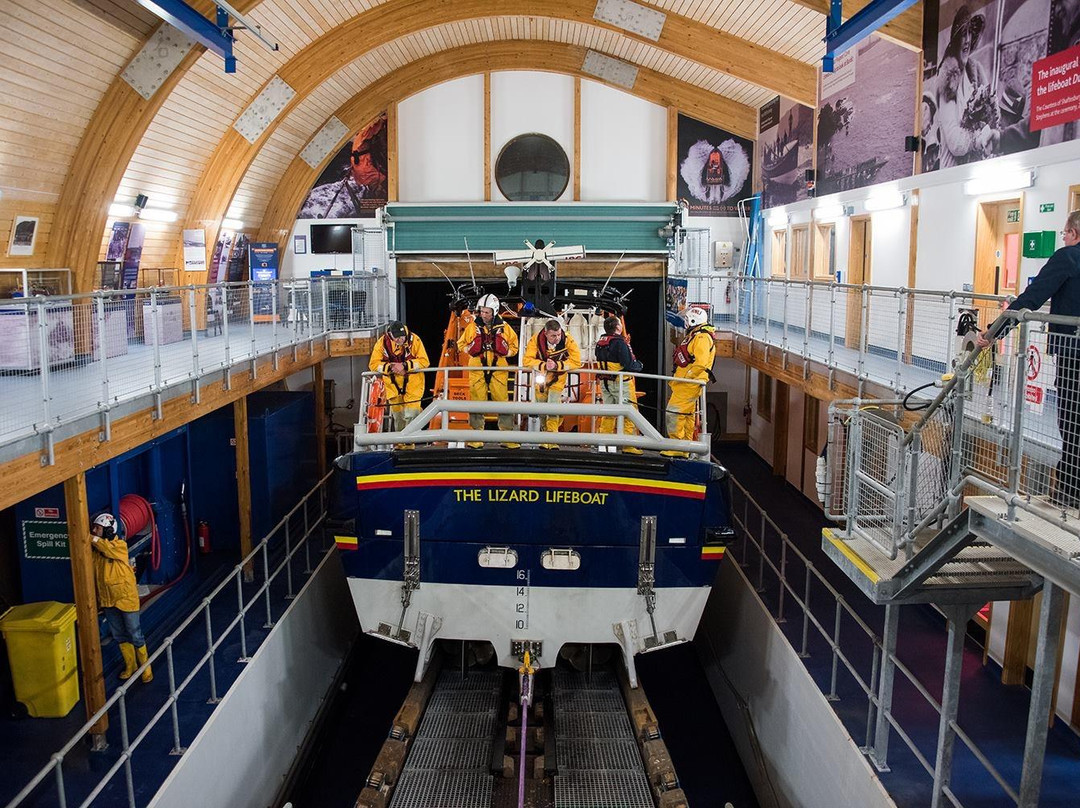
107,761
581,400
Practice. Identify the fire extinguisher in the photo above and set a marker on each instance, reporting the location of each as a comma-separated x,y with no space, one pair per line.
202,532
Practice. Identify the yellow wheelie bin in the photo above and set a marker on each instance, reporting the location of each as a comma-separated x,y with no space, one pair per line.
40,640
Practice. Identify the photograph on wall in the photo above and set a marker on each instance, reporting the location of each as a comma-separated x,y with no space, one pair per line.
675,301
23,235
354,182
866,111
118,240
982,92
715,168
786,151
195,250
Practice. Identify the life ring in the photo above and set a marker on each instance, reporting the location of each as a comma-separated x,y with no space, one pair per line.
376,406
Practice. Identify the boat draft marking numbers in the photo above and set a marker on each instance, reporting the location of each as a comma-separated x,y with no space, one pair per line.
521,599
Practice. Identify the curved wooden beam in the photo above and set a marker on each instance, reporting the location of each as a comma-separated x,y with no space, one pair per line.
298,178
234,154
121,120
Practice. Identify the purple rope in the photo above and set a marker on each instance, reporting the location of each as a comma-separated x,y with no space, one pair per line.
524,727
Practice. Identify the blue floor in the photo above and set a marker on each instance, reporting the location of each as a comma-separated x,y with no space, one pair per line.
26,745
993,714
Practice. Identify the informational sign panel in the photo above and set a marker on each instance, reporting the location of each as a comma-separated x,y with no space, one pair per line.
1055,89
1034,391
45,540
195,250
263,264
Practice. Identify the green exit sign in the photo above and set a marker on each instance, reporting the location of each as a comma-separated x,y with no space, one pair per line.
1013,215
1046,207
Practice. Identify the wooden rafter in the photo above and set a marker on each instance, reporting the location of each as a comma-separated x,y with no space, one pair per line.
509,55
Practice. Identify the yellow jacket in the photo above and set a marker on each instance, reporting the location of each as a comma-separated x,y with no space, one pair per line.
566,358
413,357
488,357
701,347
113,575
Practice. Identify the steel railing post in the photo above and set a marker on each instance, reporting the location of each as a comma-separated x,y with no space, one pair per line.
61,789
783,581
125,747
879,755
210,649
288,558
768,296
225,334
950,332
155,320
752,284
177,748
835,653
1016,439
243,615
251,325
901,321
785,285
864,335
103,352
808,323
275,290
761,557
312,286
746,533
804,652
875,667
266,571
832,325
44,370
193,319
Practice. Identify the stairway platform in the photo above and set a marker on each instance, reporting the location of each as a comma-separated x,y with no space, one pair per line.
946,567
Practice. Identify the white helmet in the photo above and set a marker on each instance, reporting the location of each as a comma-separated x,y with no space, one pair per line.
108,524
488,302
694,316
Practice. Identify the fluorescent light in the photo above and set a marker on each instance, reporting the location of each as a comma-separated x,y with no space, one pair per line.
828,213
885,201
232,224
778,218
158,215
118,210
995,183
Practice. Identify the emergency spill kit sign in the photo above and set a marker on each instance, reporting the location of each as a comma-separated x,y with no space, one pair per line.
45,540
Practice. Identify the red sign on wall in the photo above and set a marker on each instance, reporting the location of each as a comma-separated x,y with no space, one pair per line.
1055,89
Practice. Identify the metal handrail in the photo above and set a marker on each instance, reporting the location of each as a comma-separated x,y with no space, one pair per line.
832,639
113,388
238,575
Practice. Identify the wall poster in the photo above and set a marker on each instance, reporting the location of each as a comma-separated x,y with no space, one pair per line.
786,143
23,235
715,168
354,182
866,111
263,261
987,66
195,250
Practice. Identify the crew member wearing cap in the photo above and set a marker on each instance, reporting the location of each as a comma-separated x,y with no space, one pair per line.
693,359
551,353
614,353
117,594
399,355
489,341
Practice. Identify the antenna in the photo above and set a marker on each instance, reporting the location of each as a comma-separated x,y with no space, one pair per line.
468,256
444,275
612,274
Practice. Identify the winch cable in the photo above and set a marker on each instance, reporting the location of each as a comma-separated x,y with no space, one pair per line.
135,510
525,672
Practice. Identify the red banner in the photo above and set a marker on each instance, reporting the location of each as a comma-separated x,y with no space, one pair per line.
1055,89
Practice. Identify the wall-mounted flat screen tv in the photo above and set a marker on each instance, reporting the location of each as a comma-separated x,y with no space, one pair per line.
331,238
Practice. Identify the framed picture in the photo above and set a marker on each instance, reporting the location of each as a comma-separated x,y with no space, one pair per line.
23,235
299,245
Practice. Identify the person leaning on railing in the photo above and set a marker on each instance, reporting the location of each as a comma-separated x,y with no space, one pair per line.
613,352
489,340
1059,282
398,354
551,354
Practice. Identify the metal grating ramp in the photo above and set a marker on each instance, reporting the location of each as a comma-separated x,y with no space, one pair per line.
599,764
447,766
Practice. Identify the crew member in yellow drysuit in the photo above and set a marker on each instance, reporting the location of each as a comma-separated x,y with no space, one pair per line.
117,594
398,355
693,359
551,353
489,341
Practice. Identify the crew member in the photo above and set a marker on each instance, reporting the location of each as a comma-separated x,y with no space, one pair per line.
693,359
613,353
1059,282
399,355
117,594
488,340
551,353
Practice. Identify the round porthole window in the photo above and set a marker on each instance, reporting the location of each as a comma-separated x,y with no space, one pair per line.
532,168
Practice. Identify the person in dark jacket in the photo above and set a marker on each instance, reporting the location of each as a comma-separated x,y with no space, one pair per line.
1059,282
613,353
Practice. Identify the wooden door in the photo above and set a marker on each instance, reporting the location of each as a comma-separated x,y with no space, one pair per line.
859,248
998,230
800,252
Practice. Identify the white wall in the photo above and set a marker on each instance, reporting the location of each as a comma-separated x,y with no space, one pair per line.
249,742
811,759
301,266
526,101
623,146
441,143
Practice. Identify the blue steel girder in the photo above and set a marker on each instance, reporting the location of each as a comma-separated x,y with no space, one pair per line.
214,36
840,35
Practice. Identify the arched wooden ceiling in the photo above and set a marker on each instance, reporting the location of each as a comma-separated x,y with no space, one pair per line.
109,141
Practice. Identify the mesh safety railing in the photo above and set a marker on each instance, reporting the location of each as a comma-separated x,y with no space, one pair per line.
1007,424
148,725
66,358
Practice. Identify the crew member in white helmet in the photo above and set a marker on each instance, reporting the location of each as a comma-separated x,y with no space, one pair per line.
490,343
117,594
693,359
